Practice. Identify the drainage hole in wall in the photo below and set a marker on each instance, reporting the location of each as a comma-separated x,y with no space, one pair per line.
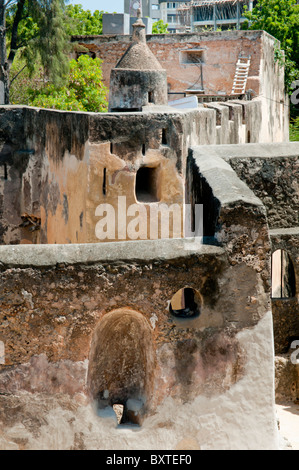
186,303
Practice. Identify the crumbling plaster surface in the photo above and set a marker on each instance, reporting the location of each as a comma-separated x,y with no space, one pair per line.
56,171
51,314
271,171
232,214
242,417
63,303
275,180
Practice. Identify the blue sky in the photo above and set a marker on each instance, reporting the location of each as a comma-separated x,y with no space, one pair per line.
109,6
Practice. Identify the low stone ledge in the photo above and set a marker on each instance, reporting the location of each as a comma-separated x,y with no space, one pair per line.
266,150
284,232
146,250
226,185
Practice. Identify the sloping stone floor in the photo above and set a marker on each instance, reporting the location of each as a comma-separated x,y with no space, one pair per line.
288,417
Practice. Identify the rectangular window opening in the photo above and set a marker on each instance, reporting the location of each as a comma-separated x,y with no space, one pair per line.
191,57
147,184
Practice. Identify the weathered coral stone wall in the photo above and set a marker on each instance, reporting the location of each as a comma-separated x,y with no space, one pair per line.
61,302
62,166
286,310
79,161
55,310
271,172
273,177
54,317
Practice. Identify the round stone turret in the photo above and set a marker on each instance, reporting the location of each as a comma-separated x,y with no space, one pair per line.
138,79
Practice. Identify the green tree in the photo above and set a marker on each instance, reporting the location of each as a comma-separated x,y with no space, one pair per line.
83,22
159,27
23,81
83,89
280,18
35,29
294,129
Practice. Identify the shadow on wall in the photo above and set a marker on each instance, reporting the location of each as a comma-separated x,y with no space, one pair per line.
198,191
121,365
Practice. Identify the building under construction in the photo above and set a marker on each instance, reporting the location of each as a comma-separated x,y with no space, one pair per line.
212,14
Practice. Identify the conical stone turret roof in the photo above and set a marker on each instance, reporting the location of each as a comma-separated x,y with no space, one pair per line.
138,79
138,56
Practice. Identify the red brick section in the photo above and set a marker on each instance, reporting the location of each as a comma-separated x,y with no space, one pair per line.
220,54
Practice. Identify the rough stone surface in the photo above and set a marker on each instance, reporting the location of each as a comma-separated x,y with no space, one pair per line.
87,327
285,311
286,379
57,172
275,182
138,78
58,422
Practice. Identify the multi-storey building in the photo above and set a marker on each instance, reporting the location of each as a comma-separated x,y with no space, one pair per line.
192,15
169,14
149,8
212,14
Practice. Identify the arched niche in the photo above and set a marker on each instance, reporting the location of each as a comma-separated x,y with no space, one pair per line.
121,364
283,275
186,303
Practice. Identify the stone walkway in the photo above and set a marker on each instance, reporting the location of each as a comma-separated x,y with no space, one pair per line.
288,416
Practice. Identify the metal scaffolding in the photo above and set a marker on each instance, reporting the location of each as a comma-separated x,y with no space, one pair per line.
199,14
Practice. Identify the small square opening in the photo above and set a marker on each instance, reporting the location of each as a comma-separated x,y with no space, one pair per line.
191,57
147,184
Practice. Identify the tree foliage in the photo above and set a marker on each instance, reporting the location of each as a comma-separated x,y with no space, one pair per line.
44,76
24,81
83,22
294,129
280,18
83,90
35,30
159,27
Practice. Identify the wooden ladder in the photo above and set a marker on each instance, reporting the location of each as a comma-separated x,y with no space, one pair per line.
241,75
